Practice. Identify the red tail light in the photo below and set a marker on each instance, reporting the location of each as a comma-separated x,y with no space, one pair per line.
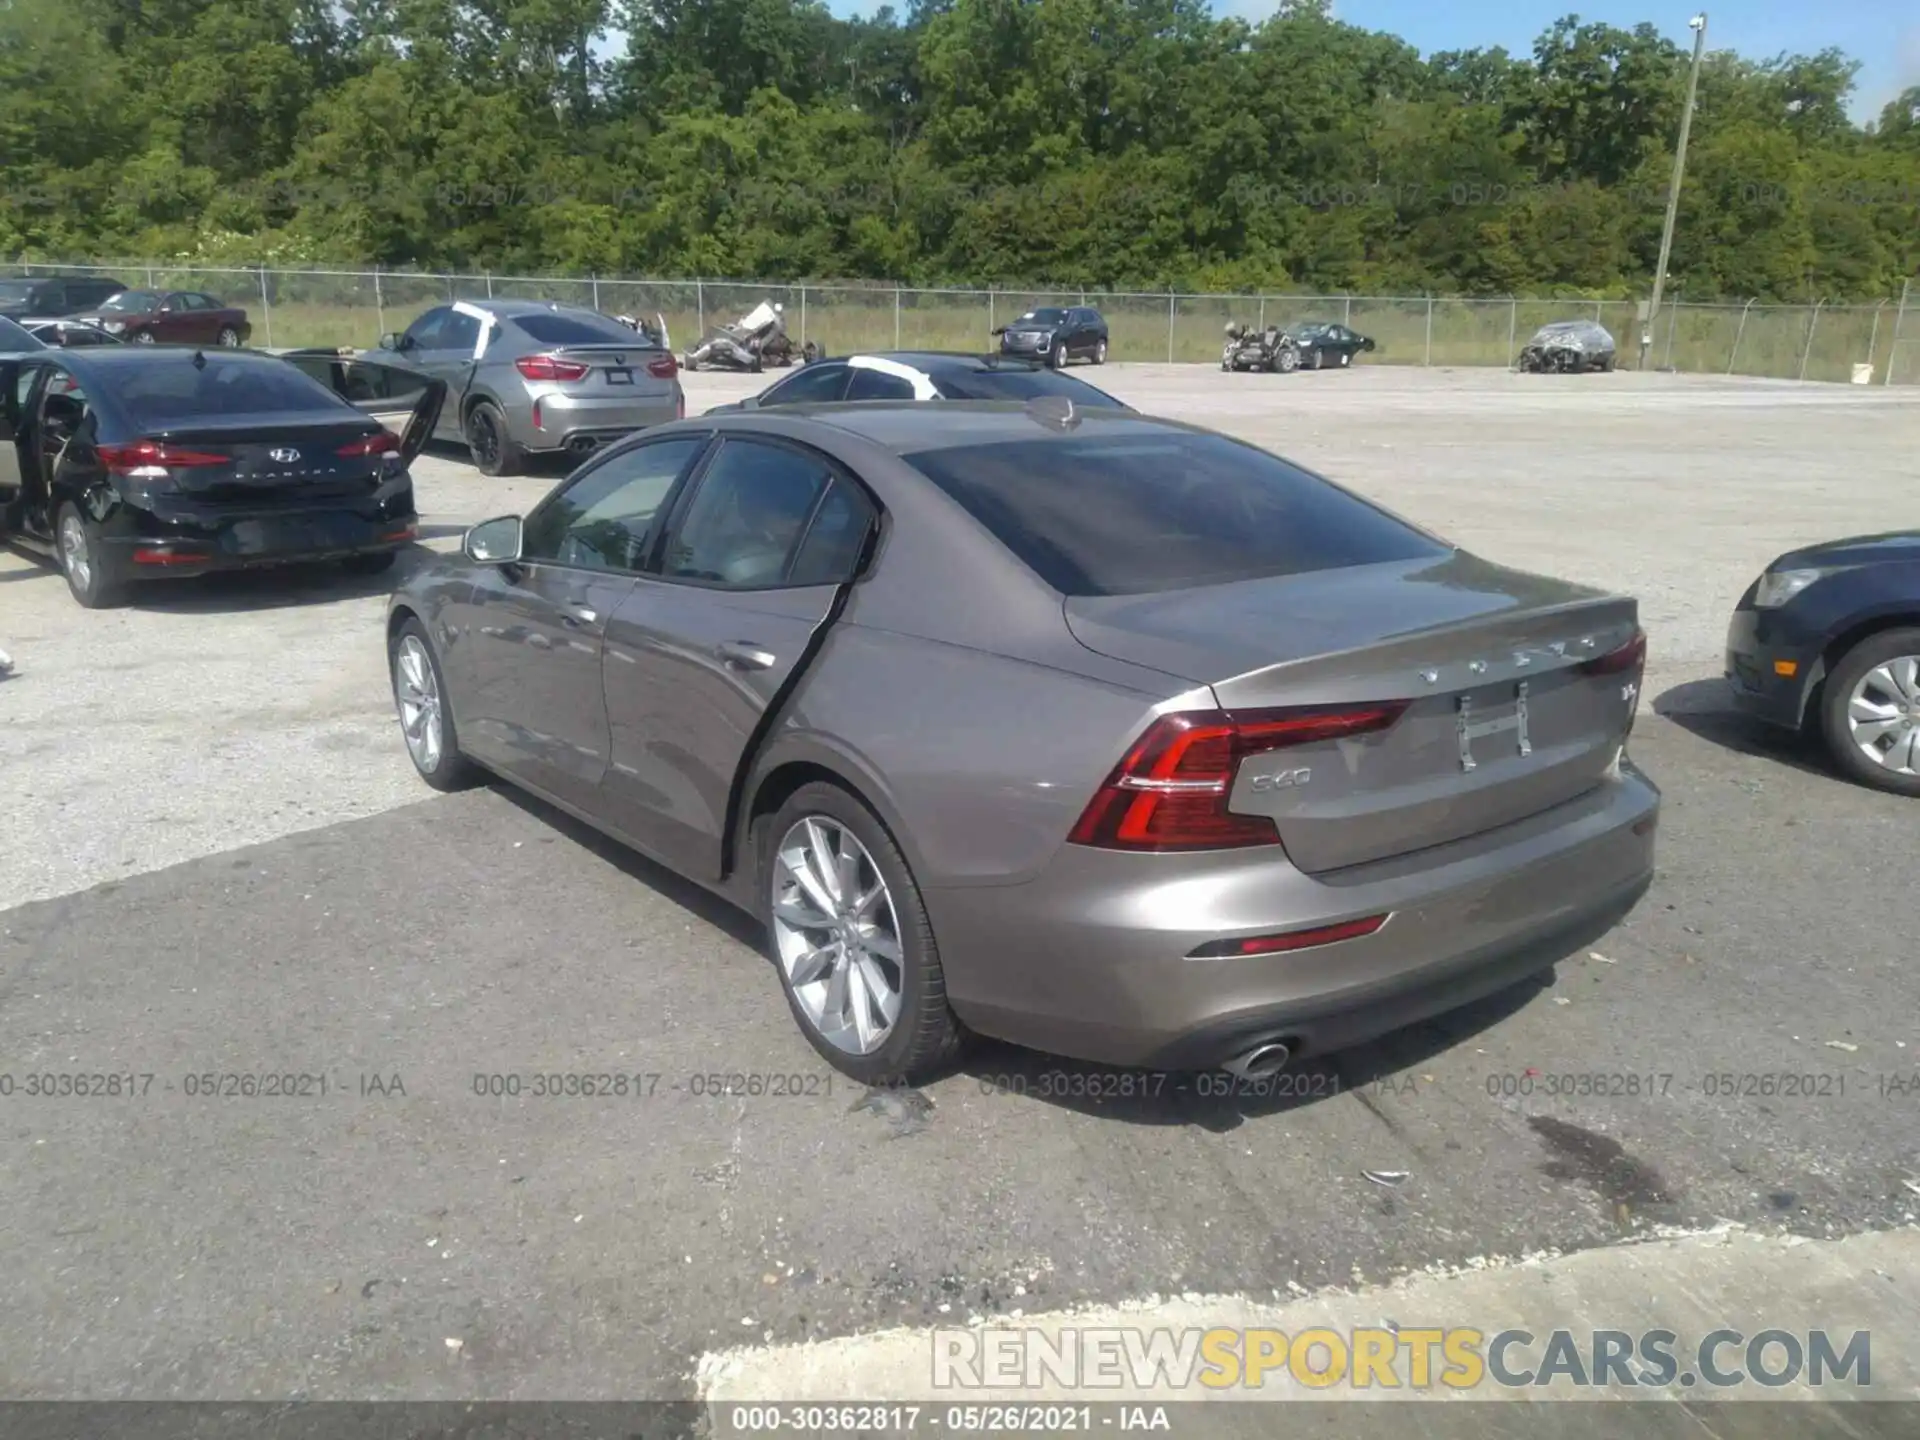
119,459
384,443
1170,792
1289,940
1630,656
545,367
665,368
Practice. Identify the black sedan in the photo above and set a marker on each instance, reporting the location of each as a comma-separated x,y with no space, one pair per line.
1827,642
923,375
1329,346
126,463
1056,334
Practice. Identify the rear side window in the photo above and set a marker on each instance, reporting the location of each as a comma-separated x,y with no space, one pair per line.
1024,385
871,384
158,394
577,330
1129,515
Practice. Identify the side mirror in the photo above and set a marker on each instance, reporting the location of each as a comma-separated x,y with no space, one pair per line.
494,542
998,330
752,402
391,341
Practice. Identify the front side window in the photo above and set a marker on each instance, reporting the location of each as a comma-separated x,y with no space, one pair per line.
604,519
460,332
750,511
814,384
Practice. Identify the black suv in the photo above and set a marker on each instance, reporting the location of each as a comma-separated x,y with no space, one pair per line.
42,296
1056,333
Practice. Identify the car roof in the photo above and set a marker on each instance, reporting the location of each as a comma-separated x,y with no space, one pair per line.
935,361
907,427
131,356
510,309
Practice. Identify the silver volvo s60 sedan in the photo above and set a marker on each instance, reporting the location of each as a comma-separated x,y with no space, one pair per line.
1094,732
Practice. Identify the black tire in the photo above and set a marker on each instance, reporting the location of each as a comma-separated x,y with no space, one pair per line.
1286,362
927,1036
1346,359
453,771
377,563
142,337
1058,358
1836,694
1319,358
103,588
1100,353
493,449
229,337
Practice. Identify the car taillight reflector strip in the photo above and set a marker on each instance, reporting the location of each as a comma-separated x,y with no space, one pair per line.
142,453
1171,790
545,367
382,444
1289,940
1629,656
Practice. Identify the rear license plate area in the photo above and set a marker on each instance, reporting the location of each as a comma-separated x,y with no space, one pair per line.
619,377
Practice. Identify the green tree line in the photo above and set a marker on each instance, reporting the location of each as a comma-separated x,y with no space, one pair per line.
1086,143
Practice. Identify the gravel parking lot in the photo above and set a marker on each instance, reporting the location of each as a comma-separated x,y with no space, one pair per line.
219,860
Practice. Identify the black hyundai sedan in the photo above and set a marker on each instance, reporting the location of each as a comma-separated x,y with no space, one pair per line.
143,462
1827,642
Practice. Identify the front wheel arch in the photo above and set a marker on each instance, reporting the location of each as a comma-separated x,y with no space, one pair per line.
1836,650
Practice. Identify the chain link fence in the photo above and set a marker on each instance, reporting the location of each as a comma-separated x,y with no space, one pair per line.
1796,342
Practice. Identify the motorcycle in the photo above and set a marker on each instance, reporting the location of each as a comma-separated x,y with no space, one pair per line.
1249,349
757,339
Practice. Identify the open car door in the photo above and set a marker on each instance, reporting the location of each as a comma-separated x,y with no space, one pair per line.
408,402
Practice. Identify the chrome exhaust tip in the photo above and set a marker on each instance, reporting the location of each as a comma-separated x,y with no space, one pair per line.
1261,1062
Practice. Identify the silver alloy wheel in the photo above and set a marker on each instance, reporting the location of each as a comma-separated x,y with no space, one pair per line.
230,337
75,558
1884,710
1100,353
417,695
143,337
838,934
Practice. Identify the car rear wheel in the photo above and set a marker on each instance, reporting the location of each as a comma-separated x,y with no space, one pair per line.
143,337
852,941
1100,353
229,337
493,450
1346,358
426,724
1319,359
1870,712
85,560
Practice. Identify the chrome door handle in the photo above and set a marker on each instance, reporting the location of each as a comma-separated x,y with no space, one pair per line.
745,654
579,614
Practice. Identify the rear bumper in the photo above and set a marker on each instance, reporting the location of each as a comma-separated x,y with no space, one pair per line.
1090,960
1760,644
142,545
559,422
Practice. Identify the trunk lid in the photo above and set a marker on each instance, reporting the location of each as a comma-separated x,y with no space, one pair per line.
275,459
611,370
1455,641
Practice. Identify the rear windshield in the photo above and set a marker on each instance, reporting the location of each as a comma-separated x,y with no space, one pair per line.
161,394
577,330
16,337
1128,515
1024,385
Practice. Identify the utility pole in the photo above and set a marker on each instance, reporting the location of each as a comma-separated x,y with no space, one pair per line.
1698,24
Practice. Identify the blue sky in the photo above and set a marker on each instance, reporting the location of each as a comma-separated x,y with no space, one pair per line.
1884,35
